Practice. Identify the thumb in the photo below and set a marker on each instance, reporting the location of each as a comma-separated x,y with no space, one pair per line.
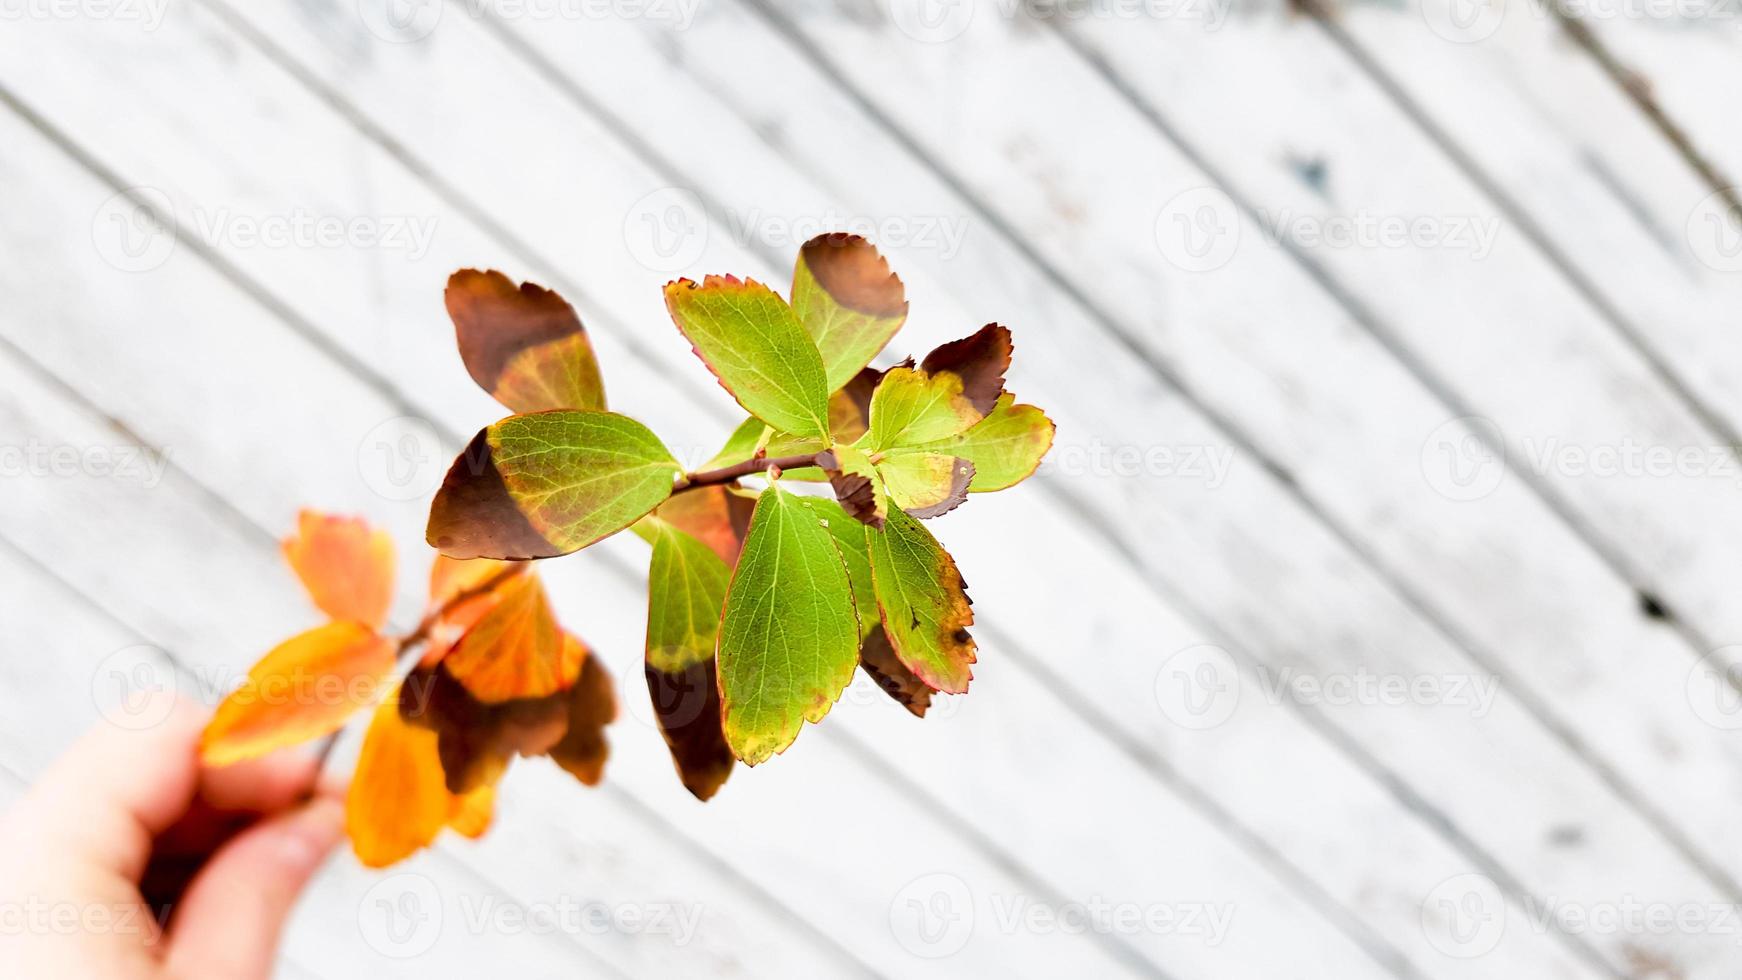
229,922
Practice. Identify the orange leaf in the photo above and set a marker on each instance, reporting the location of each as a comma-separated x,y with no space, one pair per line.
346,566
449,577
515,650
471,813
305,688
592,705
398,800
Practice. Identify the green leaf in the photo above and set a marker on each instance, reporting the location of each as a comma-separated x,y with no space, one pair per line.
523,344
925,607
538,486
686,589
850,541
925,484
754,344
911,407
848,301
1005,447
740,445
789,639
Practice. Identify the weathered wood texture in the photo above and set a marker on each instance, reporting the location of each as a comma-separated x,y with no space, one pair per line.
1357,627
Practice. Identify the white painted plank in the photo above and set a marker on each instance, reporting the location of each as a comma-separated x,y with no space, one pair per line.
1498,326
1541,120
285,383
1667,687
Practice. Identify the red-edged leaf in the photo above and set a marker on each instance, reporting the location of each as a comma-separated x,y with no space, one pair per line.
755,346
925,605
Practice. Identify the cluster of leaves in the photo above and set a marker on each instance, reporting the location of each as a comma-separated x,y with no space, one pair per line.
497,677
762,600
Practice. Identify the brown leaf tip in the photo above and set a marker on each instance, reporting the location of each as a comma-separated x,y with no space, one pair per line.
474,515
980,359
878,659
494,320
850,269
857,495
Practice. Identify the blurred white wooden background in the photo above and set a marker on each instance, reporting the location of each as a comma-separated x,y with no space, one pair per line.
1371,618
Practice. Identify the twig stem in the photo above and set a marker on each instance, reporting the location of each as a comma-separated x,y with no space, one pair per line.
750,467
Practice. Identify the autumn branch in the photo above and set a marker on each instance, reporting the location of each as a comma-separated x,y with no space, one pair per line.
750,467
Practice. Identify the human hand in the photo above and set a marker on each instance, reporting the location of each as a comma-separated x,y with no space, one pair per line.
128,825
